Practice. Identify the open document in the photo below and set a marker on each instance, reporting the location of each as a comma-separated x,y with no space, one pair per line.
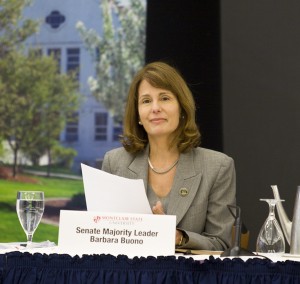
110,193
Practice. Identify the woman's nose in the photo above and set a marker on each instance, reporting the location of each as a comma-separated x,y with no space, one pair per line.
156,107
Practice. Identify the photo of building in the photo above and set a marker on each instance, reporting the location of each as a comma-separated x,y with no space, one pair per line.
93,131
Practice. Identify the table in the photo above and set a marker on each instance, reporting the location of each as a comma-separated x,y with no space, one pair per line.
26,267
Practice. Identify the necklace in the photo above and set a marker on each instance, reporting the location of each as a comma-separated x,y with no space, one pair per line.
161,172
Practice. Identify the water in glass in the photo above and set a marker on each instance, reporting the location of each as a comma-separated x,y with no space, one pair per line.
30,209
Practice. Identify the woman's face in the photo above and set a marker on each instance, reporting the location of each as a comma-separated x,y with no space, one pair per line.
159,110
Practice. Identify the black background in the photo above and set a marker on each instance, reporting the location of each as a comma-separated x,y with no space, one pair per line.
186,34
241,60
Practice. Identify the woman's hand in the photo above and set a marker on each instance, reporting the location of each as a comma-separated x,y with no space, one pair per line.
158,209
179,238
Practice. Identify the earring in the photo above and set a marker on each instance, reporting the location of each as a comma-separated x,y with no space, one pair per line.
140,123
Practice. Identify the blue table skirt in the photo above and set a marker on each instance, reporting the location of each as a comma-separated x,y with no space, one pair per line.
17,267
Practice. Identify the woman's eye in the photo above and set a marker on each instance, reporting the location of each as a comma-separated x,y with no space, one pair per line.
165,98
146,101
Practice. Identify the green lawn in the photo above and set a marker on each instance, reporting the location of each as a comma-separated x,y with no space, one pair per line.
10,228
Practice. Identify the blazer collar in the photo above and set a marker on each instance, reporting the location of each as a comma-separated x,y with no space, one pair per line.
139,166
185,184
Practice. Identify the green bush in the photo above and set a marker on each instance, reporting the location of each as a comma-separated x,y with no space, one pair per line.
62,156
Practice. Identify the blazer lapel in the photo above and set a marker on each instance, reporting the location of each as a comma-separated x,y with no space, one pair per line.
139,166
186,181
185,186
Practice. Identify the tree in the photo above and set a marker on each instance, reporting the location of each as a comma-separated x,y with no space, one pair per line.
118,53
14,30
35,102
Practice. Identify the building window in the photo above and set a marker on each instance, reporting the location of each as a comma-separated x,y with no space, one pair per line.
117,131
56,54
101,126
73,60
72,129
55,19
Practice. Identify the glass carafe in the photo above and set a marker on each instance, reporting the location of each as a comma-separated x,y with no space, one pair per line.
270,238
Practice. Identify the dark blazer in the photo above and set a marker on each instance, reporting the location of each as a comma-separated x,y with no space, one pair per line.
207,176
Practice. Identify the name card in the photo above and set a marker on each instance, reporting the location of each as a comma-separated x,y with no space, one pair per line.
88,232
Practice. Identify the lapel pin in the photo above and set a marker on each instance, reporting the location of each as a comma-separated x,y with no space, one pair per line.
183,192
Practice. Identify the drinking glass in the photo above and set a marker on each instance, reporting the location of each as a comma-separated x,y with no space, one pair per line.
270,238
30,208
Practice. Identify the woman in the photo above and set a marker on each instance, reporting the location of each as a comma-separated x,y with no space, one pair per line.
160,145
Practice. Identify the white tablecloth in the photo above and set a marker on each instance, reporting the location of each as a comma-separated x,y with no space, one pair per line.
48,247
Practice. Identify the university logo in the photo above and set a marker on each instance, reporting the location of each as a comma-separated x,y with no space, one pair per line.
97,219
